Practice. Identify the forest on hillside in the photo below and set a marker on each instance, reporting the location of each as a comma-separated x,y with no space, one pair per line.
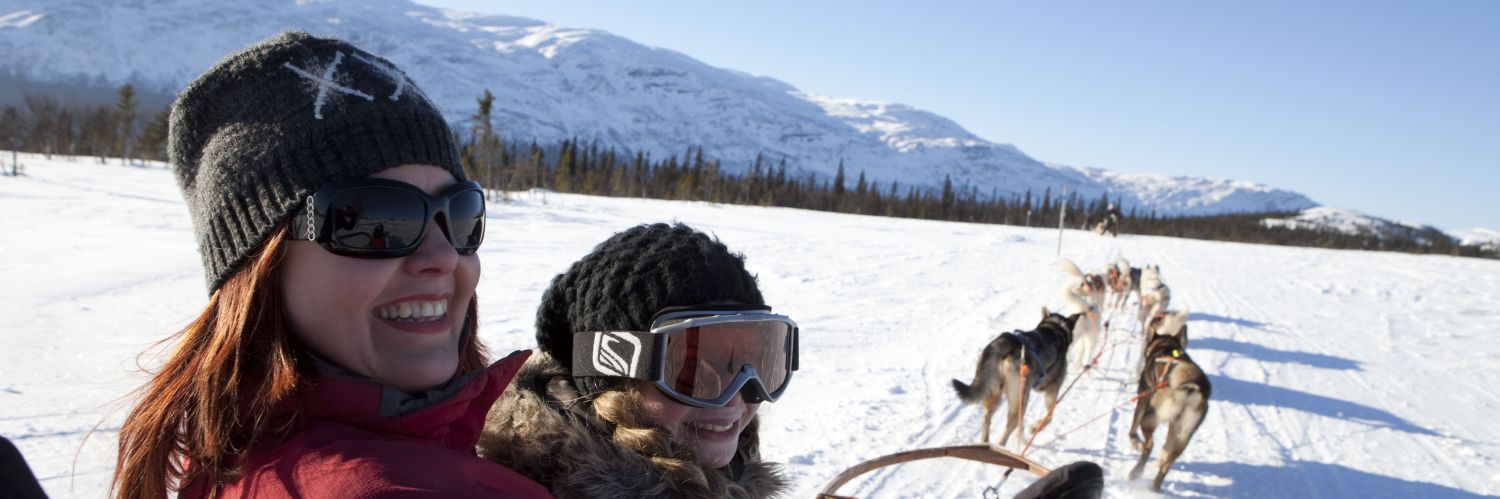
48,125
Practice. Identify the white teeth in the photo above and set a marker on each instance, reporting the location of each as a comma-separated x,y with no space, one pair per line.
711,427
414,310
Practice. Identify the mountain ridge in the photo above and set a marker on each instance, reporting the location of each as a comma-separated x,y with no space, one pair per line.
553,83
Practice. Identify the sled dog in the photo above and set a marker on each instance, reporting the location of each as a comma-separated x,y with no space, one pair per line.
1123,281
1179,400
1083,294
1155,295
1044,351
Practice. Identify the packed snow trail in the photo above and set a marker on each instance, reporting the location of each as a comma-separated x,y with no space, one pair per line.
1335,373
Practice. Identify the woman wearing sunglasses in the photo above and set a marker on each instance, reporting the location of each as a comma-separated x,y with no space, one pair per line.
337,355
656,350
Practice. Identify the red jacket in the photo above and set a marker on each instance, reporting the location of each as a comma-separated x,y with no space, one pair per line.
352,447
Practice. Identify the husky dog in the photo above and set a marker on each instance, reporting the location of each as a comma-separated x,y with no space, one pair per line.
1082,294
1123,280
1155,295
1179,400
1044,350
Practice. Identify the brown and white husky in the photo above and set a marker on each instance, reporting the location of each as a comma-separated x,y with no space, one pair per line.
1179,393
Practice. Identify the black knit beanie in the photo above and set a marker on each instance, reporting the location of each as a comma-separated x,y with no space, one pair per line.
256,134
625,280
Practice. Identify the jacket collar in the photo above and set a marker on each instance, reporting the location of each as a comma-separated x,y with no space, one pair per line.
451,415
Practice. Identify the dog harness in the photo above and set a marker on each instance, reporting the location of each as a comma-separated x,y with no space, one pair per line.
1030,356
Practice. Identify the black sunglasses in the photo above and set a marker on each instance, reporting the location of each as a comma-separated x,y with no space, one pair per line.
381,218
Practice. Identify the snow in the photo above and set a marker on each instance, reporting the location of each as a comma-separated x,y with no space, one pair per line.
1487,238
1335,373
553,83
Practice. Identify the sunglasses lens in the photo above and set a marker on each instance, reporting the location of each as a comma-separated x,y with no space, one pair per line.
466,221
702,361
377,219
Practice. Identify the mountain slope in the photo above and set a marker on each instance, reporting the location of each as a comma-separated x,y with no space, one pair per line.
552,83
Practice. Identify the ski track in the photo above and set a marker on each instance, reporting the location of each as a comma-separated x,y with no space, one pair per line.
1336,373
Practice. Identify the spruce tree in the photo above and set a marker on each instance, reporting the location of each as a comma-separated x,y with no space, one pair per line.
125,118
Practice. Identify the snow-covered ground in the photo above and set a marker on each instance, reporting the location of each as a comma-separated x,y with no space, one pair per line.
1335,373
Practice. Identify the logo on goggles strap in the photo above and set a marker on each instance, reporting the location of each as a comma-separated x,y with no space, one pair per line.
616,354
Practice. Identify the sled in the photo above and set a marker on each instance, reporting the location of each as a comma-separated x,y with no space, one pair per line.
976,452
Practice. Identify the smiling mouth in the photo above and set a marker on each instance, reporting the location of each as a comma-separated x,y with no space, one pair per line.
705,426
413,311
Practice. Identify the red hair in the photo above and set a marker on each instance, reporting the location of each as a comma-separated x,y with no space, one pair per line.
230,382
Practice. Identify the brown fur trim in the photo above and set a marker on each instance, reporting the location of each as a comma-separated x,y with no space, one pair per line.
542,428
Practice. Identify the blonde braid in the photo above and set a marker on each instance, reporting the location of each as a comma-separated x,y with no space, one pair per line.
623,410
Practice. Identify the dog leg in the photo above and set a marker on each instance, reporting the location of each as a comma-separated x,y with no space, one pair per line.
1148,428
1179,433
1142,407
1051,395
991,402
1015,409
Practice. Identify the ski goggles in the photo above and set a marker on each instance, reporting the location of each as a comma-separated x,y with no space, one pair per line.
702,357
381,218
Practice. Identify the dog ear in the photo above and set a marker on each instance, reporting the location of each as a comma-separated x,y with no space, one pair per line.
1045,313
1073,321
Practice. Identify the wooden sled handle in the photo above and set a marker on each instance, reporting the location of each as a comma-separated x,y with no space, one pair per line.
975,452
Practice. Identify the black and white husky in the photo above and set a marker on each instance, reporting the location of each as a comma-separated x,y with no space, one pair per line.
1179,393
1045,353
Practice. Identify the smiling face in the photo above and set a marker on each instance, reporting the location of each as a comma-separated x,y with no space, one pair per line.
712,432
397,321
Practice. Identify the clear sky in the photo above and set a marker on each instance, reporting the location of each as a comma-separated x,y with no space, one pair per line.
1391,108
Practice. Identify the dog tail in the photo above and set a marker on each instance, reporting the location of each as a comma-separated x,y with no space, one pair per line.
1068,267
986,376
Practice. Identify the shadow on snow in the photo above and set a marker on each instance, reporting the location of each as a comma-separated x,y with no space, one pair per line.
1305,479
1243,392
1265,354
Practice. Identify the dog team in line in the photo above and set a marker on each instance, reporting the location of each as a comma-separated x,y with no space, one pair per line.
1171,390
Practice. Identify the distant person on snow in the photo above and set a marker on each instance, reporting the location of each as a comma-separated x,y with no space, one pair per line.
327,362
1110,221
656,350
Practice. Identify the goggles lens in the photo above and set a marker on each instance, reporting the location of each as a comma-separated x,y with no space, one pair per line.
702,362
380,218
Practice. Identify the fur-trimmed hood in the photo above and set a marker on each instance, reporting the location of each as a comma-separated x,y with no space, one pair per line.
543,429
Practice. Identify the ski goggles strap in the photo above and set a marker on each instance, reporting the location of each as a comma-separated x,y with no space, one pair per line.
616,354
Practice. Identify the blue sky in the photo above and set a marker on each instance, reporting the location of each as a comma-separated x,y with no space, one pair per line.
1391,108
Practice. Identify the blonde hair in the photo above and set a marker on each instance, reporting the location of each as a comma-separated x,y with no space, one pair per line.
623,411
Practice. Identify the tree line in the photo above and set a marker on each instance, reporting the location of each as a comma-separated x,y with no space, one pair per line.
49,126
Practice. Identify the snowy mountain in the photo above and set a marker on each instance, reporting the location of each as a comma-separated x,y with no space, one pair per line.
1483,238
552,83
1338,219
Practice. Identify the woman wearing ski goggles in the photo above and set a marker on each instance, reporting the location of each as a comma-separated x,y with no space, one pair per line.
656,351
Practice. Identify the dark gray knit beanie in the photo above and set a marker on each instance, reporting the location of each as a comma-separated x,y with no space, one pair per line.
626,279
256,134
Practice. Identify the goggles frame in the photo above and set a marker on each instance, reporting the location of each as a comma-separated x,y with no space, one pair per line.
595,354
315,221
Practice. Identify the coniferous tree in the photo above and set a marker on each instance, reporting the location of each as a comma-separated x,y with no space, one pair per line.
125,120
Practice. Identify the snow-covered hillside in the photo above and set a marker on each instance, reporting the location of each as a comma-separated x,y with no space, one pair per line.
552,83
1335,373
